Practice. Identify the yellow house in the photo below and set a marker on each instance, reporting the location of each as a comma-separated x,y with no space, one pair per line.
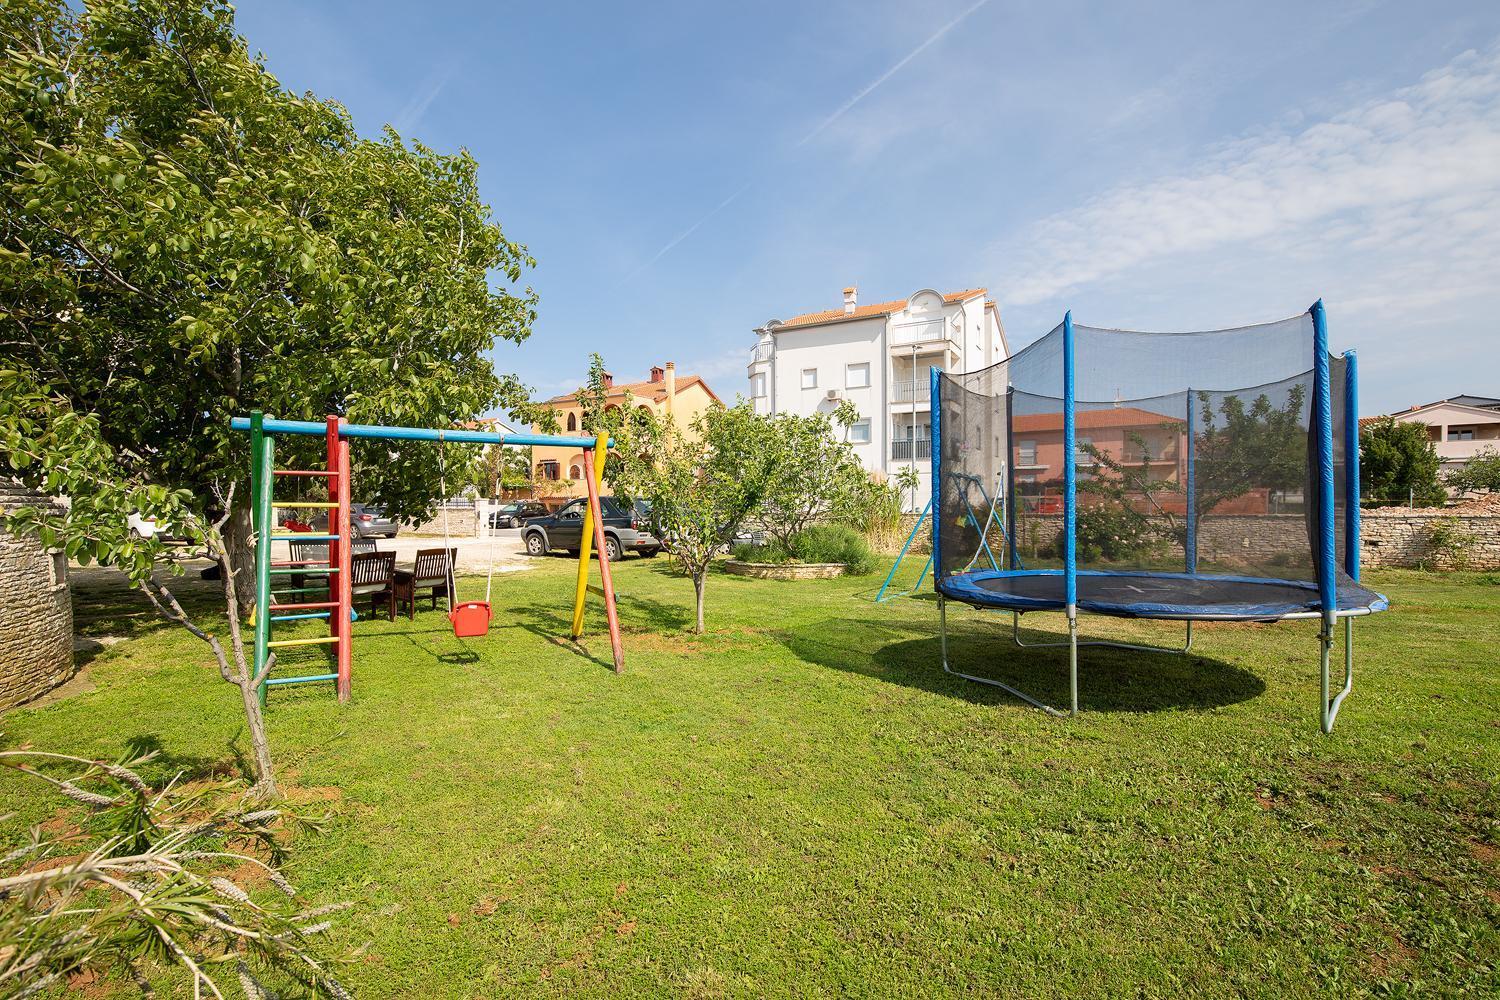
663,393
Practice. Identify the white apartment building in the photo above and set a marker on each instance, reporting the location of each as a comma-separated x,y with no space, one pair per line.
877,356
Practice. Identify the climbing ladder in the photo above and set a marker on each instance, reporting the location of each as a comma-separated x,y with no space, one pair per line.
329,599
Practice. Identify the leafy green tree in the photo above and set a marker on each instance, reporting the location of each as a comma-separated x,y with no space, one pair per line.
1481,474
1398,464
814,475
184,240
701,486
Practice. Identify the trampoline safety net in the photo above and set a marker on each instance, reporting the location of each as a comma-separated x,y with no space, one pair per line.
1196,466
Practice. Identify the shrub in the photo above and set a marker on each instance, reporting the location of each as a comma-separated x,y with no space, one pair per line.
1447,542
1112,534
771,552
833,543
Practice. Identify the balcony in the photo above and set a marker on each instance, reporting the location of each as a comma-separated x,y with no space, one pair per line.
911,451
761,352
930,332
913,391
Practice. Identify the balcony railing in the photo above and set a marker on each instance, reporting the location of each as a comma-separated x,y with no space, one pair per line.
918,333
909,450
914,391
760,352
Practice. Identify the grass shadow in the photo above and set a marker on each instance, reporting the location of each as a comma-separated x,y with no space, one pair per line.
1110,680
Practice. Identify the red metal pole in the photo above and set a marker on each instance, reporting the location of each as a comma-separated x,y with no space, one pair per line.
339,555
604,578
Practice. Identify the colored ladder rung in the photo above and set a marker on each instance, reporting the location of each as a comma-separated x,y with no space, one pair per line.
300,562
304,472
353,616
304,503
314,571
301,680
321,588
309,606
321,640
303,536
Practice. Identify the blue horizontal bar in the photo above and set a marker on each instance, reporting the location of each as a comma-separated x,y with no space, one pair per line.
301,680
317,429
353,616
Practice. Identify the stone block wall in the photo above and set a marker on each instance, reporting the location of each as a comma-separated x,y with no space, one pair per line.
1406,539
36,612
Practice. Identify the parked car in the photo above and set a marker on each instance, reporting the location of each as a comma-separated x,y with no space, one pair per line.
365,521
513,515
625,530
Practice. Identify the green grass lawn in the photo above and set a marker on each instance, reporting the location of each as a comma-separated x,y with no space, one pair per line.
801,803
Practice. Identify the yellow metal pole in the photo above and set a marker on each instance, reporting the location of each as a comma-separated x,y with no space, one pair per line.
601,449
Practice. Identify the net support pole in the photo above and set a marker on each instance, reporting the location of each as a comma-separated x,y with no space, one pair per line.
935,494
1190,546
1322,415
1070,509
1013,558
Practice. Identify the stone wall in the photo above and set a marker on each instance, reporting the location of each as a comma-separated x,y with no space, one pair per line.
36,612
1406,539
463,522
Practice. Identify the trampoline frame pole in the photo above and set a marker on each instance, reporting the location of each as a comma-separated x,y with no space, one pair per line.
1070,508
1191,545
1322,415
1012,556
1015,635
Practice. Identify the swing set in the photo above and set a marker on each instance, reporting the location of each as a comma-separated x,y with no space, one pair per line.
995,517
325,589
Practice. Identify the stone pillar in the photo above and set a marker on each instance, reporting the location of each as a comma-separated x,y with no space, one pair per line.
36,610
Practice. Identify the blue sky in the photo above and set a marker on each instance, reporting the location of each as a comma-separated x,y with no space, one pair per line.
684,172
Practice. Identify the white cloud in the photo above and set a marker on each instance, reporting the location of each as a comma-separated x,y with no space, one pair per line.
1396,201
421,100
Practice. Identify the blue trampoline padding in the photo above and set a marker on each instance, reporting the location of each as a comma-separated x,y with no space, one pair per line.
1142,594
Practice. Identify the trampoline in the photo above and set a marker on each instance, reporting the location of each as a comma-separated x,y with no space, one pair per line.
1090,474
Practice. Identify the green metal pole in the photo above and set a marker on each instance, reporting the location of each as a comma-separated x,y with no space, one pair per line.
262,481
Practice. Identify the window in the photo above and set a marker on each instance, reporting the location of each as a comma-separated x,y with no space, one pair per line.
547,470
758,386
1081,446
1460,434
574,472
809,378
859,432
1026,453
572,421
857,376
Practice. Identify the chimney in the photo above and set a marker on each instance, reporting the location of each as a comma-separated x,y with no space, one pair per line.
609,380
851,299
671,376
657,372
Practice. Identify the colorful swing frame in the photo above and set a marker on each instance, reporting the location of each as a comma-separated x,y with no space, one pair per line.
333,598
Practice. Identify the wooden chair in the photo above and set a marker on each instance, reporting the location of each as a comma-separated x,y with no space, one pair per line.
313,552
358,545
373,575
432,571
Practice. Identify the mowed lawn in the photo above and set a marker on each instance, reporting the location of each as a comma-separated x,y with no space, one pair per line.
800,802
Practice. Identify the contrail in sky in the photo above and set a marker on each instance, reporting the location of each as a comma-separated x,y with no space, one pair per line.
851,102
842,110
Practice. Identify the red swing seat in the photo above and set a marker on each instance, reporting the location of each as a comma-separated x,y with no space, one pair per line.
471,618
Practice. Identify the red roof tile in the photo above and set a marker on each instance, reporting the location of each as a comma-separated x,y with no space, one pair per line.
865,312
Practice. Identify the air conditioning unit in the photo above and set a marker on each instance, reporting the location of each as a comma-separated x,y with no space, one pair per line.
832,394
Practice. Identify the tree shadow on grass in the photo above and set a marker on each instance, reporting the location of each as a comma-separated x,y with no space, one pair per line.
1109,680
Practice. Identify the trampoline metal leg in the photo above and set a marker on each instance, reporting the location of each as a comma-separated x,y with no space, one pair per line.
1073,658
1325,640
1015,635
1028,699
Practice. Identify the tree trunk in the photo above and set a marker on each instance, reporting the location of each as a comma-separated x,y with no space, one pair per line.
700,577
239,541
244,671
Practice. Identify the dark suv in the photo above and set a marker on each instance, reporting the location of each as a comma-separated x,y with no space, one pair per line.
624,530
513,515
